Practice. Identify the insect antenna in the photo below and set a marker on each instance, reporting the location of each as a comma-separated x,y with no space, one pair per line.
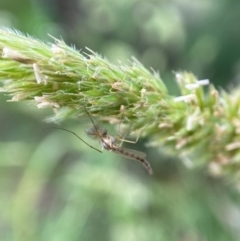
59,128
91,119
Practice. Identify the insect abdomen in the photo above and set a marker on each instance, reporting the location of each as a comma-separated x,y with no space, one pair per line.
130,155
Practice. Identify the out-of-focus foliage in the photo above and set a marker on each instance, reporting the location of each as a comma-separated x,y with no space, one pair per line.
54,188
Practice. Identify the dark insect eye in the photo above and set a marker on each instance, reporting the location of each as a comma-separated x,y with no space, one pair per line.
104,132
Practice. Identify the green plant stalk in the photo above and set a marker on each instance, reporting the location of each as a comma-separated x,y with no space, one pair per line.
201,126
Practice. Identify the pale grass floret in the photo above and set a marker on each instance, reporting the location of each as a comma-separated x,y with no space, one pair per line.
196,85
193,119
179,78
11,54
55,49
233,146
185,98
215,168
38,75
43,102
18,97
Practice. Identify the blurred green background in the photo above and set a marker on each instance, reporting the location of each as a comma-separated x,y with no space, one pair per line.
55,188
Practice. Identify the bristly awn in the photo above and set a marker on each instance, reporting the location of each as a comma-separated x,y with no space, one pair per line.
109,143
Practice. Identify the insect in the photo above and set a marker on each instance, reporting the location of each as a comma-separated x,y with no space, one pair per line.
109,143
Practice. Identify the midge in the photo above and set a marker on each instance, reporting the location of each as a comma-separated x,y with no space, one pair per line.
109,143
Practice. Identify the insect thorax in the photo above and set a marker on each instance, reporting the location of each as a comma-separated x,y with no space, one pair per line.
96,132
109,143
